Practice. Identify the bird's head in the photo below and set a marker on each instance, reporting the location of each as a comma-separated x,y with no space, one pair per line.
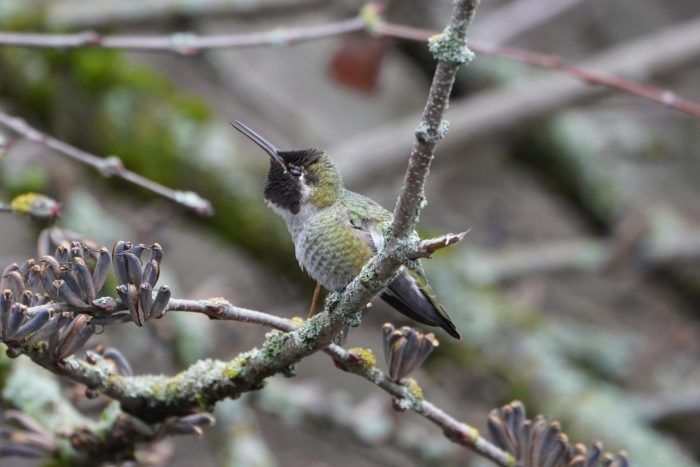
298,177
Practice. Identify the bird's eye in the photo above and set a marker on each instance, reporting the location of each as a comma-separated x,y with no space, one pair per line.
295,171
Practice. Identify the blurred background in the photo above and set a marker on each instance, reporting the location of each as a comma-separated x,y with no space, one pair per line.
577,289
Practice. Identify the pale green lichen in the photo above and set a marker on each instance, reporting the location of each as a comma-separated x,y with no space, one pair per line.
273,347
235,369
425,134
305,336
449,45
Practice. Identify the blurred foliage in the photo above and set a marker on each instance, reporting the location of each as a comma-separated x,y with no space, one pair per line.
106,104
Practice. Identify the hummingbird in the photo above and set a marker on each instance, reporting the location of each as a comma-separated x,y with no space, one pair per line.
336,231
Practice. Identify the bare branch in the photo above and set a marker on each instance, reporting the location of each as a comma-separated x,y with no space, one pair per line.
108,166
182,43
369,20
77,13
664,97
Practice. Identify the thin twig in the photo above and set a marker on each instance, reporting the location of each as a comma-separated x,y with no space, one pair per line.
183,43
108,167
190,44
661,96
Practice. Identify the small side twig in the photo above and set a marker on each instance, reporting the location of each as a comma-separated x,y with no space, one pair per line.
108,167
426,248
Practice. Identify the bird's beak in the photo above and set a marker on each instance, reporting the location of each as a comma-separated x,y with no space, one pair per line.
264,144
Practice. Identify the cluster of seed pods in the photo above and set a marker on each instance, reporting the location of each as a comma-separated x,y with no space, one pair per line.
405,349
137,268
33,294
538,443
38,284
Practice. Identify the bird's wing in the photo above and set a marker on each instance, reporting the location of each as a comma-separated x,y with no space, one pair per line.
366,217
410,292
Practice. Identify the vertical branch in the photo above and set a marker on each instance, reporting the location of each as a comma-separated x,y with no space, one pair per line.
449,49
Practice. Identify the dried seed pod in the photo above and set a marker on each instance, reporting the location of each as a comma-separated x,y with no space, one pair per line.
32,325
119,262
133,268
73,337
70,279
13,280
156,253
51,262
27,266
138,250
34,279
40,299
69,295
16,317
114,318
26,298
77,250
146,299
47,275
405,349
188,425
129,295
62,253
83,277
119,360
103,261
151,272
161,302
6,300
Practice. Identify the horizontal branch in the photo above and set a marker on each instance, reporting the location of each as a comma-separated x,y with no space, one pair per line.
182,43
108,167
189,43
71,14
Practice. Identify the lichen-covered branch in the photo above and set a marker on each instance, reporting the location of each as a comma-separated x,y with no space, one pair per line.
449,49
152,398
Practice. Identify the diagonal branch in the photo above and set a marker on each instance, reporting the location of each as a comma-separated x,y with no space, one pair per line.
450,51
108,167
